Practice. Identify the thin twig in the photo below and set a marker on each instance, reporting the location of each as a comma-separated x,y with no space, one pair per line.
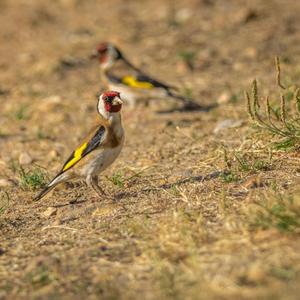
268,113
249,109
257,118
297,100
282,109
59,227
268,109
278,73
255,96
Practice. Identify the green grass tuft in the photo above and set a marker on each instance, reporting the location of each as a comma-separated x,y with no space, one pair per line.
281,212
21,113
230,177
240,164
39,277
117,179
188,57
32,179
40,134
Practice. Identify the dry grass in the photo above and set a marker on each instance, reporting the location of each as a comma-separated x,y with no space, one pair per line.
275,119
195,214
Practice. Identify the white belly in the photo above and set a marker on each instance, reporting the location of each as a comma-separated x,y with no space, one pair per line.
102,159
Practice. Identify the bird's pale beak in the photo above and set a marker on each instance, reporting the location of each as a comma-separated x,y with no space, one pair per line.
117,101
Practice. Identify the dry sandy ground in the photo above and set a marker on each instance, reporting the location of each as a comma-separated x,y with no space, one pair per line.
186,220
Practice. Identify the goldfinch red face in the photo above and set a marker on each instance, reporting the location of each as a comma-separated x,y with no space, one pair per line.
102,52
107,54
110,101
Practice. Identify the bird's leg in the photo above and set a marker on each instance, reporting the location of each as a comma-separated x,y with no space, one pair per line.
97,187
92,181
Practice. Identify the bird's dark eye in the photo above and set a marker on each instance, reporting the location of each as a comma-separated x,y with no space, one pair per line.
108,99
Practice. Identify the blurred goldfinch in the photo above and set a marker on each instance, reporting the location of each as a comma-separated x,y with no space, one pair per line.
98,150
119,74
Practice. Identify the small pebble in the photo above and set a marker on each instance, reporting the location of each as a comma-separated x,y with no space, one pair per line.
256,273
5,182
25,159
183,15
228,123
50,211
224,98
53,99
53,154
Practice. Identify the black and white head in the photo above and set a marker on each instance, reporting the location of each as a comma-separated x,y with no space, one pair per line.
109,103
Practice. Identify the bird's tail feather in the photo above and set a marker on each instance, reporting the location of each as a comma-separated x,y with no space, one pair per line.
178,97
51,185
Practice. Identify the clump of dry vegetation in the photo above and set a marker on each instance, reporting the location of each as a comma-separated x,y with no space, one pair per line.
240,164
278,119
275,210
4,201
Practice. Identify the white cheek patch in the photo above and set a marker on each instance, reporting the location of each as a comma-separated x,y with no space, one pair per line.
101,107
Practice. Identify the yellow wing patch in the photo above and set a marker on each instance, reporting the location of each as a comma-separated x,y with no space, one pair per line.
76,157
131,81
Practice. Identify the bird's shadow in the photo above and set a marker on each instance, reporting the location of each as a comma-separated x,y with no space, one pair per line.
198,178
189,108
71,202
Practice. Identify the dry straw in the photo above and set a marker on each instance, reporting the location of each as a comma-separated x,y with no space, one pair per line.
276,122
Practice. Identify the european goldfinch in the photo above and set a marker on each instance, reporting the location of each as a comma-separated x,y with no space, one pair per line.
98,150
117,73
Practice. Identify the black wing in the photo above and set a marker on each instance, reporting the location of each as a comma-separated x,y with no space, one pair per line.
84,149
138,81
145,78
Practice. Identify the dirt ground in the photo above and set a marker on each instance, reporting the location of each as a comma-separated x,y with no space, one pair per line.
196,205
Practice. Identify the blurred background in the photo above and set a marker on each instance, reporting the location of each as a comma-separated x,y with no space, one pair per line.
159,239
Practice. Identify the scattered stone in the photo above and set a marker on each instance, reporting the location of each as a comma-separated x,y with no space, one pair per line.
224,98
250,52
181,67
228,123
5,182
256,274
49,212
57,222
53,99
25,159
183,15
238,66
53,154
